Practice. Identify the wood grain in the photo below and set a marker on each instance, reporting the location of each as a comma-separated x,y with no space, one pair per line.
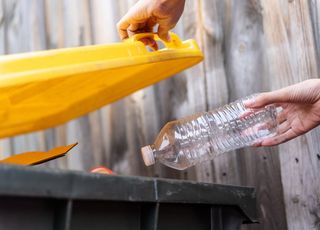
5,144
314,7
249,46
247,73
293,59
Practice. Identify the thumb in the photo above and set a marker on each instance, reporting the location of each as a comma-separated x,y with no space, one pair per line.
264,99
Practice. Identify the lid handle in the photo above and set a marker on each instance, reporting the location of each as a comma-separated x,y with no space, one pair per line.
175,42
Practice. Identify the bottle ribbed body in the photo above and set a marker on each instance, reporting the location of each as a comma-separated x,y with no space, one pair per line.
188,141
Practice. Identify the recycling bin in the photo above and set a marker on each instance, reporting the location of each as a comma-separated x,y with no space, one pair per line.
46,199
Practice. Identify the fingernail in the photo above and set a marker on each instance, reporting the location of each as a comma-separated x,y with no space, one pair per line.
249,102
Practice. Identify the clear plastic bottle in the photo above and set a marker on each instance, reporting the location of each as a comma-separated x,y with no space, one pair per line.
191,140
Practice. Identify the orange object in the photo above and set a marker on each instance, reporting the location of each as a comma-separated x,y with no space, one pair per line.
33,158
102,170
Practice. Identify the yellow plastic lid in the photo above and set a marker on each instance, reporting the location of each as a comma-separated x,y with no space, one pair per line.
43,89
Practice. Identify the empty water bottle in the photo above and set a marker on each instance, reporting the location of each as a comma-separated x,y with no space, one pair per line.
188,141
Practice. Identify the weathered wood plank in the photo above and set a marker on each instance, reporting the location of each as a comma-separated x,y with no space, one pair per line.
77,32
105,15
292,59
2,27
314,7
196,91
111,136
140,123
25,32
225,169
54,11
54,39
250,46
247,73
12,24
5,144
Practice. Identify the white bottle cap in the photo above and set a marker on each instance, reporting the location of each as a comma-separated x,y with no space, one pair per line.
147,154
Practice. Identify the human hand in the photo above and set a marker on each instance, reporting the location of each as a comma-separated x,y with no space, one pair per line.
301,110
146,14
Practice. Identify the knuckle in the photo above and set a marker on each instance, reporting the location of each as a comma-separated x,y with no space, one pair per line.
262,96
290,95
161,8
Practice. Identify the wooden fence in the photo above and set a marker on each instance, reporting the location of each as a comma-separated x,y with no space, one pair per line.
249,46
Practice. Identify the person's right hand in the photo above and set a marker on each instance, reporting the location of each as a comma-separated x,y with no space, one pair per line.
301,109
146,14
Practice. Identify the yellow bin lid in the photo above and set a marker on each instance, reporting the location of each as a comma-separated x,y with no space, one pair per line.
42,89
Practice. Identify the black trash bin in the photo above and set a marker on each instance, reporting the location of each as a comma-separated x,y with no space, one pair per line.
38,199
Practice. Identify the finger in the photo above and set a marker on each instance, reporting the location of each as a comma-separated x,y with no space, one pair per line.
163,31
264,99
131,18
256,144
278,139
122,27
133,27
283,127
137,28
151,24
142,28
145,41
153,44
246,113
281,117
150,42
149,28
